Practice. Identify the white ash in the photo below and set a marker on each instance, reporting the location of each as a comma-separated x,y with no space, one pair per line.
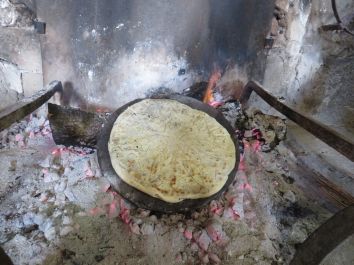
233,114
147,228
56,203
84,193
290,196
65,231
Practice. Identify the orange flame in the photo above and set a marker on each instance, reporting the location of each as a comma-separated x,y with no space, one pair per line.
214,78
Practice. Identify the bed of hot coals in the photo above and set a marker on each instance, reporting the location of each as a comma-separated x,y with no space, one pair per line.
57,208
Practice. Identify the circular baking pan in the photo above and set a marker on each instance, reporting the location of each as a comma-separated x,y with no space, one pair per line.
142,199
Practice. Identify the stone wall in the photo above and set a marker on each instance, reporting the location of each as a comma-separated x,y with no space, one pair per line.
20,53
310,69
109,52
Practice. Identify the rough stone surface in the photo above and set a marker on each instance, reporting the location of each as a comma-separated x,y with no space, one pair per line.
20,53
15,15
10,84
309,69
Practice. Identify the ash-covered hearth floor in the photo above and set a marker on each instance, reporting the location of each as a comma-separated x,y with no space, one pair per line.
57,208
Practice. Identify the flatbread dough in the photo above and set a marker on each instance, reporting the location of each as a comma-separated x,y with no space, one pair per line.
170,150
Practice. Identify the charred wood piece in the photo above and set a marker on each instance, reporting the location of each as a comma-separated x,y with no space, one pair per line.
196,91
27,105
331,27
75,127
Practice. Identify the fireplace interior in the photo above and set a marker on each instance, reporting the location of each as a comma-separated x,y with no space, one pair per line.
277,75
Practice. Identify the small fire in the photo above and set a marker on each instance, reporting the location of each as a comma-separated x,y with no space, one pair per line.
214,78
57,151
102,110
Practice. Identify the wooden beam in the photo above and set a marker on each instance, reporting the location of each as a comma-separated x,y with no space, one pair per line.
27,105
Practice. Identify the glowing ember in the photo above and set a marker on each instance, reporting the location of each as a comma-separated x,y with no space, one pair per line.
242,166
96,211
89,173
256,145
208,97
231,214
113,210
18,137
77,151
246,186
116,208
102,110
56,151
216,208
188,233
215,231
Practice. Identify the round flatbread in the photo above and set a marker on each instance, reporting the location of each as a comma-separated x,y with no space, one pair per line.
170,150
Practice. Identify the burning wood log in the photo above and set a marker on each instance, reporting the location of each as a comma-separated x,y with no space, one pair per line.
27,105
75,127
196,91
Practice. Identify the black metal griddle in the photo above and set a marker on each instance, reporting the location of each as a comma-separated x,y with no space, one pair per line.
140,198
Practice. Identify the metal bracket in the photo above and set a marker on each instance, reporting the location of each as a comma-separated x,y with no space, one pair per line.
339,25
326,238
